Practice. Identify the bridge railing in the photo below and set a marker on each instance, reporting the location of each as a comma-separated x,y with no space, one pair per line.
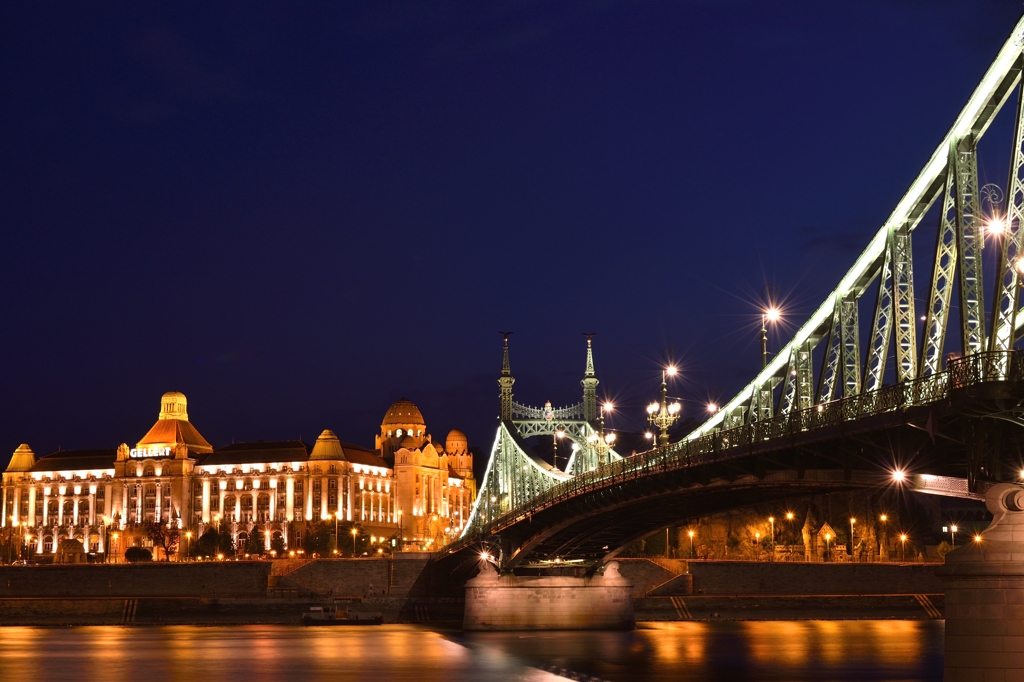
974,369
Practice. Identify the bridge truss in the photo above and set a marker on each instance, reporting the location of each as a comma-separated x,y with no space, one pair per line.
785,406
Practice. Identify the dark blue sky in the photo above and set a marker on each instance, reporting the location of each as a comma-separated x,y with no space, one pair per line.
296,215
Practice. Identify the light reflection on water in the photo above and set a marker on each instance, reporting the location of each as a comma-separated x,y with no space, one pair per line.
742,650
755,650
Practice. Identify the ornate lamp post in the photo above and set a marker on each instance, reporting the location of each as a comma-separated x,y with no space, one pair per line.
601,441
664,415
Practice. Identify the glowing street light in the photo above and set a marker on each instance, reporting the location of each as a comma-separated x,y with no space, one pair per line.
952,533
903,542
712,408
663,416
769,313
691,534
355,532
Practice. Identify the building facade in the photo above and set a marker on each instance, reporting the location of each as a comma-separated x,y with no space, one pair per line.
408,490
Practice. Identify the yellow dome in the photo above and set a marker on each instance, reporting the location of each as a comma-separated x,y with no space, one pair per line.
327,446
403,413
23,459
410,443
174,405
456,443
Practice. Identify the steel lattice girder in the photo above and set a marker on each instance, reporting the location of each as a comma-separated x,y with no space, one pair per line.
1004,317
849,334
903,302
988,97
881,330
970,242
941,294
830,362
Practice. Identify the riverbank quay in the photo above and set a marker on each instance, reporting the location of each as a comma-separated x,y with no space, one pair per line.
405,589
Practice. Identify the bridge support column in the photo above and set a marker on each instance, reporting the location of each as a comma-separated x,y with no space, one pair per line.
985,596
510,602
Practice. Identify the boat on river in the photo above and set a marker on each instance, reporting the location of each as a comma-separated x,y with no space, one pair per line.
331,615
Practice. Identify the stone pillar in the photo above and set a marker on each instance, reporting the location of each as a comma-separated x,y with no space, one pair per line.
289,500
985,595
273,501
206,501
158,513
46,507
31,517
509,602
340,509
308,490
325,511
17,505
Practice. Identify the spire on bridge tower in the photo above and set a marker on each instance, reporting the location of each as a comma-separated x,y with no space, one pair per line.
589,383
505,381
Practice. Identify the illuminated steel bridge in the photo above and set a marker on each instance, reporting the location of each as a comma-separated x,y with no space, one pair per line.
954,404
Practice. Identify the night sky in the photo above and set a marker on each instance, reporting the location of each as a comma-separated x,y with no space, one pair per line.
296,215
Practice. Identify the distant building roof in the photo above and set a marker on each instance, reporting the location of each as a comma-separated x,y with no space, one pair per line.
176,431
258,453
76,460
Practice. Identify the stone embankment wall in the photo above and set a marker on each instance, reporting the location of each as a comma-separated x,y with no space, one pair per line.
228,579
355,577
759,577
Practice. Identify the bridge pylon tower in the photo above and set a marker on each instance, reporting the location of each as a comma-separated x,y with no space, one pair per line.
590,383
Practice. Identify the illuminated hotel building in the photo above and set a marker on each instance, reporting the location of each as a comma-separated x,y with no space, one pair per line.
409,485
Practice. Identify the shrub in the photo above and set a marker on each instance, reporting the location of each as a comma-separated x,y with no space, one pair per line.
136,554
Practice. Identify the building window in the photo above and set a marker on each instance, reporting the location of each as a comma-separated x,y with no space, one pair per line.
332,499
332,484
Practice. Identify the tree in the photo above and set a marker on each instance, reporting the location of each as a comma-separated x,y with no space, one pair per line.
211,543
164,536
317,539
277,545
255,543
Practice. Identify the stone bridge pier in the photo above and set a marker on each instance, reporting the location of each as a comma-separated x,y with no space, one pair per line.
985,596
511,602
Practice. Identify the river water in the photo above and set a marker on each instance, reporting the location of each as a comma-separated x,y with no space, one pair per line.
751,650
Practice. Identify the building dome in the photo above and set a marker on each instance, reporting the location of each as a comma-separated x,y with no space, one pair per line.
174,405
327,446
23,459
403,413
456,443
410,443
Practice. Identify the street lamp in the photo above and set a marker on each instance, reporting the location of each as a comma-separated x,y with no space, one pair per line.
771,520
757,545
690,533
600,441
188,536
903,550
952,533
664,415
885,536
852,521
355,532
828,539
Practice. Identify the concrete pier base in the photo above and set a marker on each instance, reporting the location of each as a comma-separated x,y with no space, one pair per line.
510,602
985,596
